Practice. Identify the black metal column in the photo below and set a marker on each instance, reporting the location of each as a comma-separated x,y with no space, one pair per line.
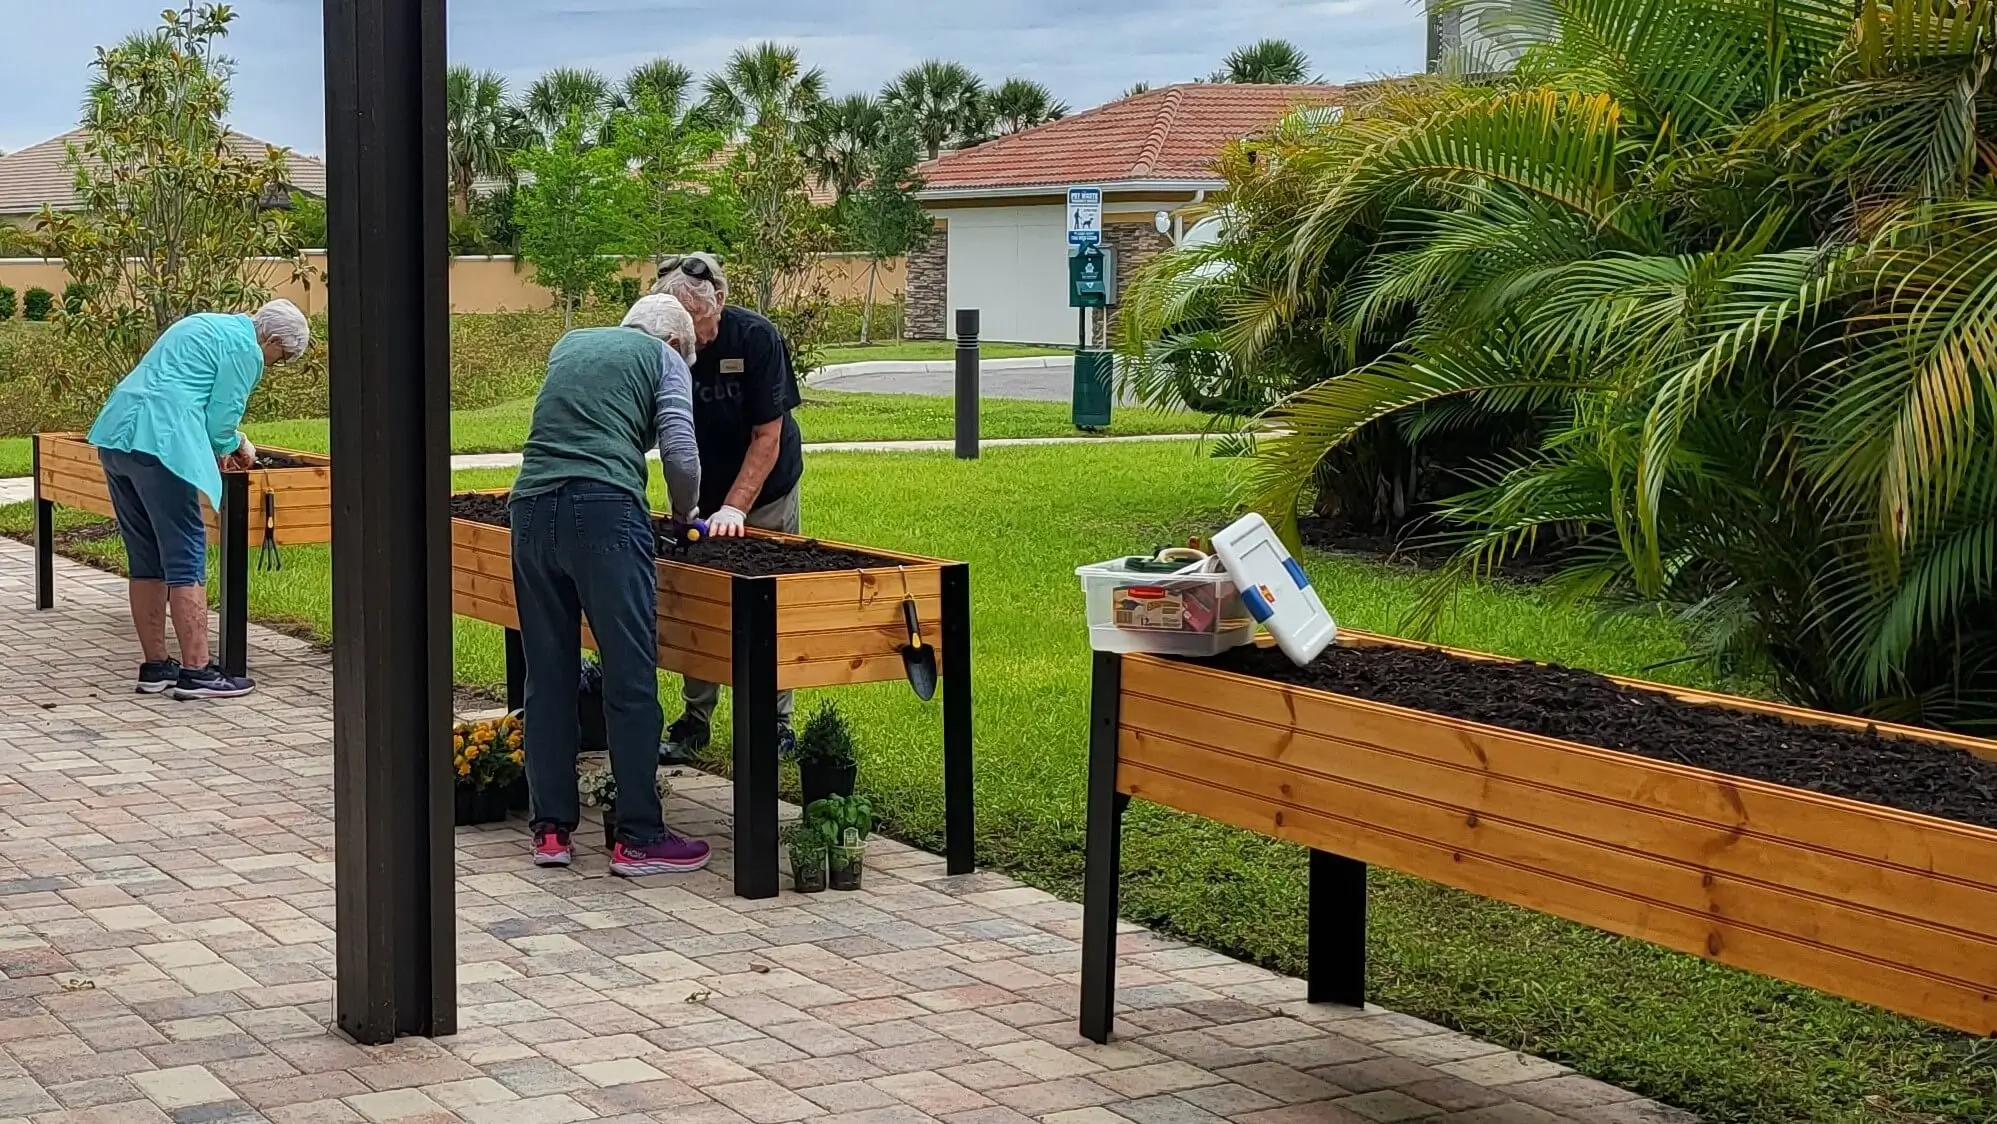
389,314
753,675
960,836
1337,930
967,384
1105,851
44,536
516,671
232,564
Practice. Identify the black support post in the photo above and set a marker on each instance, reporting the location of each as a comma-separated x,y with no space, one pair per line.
1337,930
967,384
516,671
389,312
44,536
753,671
960,837
233,578
1105,847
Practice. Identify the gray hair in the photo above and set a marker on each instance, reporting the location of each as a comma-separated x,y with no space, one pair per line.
281,323
663,317
691,291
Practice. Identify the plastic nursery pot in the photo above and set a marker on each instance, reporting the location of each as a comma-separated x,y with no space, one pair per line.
819,780
471,806
848,864
808,879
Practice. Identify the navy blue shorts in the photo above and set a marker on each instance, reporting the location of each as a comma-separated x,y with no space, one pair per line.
159,517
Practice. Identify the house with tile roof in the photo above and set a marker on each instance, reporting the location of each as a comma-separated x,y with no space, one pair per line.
40,175
999,208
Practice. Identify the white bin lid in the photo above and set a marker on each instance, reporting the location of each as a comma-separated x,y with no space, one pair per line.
1275,589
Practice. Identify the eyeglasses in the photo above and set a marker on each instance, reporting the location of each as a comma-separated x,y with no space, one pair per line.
696,268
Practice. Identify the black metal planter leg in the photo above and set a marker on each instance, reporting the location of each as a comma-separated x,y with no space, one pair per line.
44,537
1337,930
516,670
753,672
234,564
959,809
1105,846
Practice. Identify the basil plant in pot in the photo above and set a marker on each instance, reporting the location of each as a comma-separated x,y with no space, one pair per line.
827,759
843,822
807,857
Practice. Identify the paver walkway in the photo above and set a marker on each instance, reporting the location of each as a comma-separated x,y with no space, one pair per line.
166,944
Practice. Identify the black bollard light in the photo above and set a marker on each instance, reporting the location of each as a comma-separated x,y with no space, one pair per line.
967,384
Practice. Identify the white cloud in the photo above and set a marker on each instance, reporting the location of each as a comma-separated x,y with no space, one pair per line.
1086,54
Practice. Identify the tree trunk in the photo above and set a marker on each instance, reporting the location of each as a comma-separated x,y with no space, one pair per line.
867,308
568,313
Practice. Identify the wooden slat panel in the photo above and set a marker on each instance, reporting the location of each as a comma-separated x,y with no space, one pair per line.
1883,985
677,579
839,673
496,591
1737,805
694,665
1982,747
465,605
1590,815
1964,958
861,588
849,643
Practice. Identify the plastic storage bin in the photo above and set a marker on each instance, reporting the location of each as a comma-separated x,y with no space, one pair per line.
1135,608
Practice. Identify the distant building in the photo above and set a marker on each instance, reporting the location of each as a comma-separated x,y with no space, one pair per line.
1472,30
40,176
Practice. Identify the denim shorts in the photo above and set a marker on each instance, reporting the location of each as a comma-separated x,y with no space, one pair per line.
159,517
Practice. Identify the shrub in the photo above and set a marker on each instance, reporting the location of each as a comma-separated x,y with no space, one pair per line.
38,303
6,303
73,296
627,290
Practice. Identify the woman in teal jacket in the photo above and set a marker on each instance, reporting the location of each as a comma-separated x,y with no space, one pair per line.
164,438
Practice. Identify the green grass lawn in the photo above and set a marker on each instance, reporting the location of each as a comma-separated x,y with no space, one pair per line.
1730,1046
825,416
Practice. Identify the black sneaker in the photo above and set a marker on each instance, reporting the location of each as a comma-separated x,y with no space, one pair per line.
685,738
786,742
210,683
158,675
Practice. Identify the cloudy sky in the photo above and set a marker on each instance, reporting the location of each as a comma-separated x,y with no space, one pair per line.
1086,57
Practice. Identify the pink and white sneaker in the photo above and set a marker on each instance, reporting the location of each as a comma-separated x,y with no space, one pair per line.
551,846
670,855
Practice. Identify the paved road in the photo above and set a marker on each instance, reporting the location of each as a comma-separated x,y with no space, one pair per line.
1048,378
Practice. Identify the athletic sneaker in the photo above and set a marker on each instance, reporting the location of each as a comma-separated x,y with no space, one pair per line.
670,855
210,683
158,675
786,741
685,738
551,846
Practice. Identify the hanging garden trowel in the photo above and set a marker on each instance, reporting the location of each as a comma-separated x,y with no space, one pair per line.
917,658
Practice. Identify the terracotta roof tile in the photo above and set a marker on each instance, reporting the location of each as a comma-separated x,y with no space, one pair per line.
1172,133
37,175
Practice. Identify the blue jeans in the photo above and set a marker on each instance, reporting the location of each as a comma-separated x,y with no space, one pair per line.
159,517
586,549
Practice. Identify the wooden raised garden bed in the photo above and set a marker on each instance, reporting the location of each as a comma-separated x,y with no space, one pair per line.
1854,858
807,613
287,500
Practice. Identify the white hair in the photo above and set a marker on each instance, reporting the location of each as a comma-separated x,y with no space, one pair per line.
663,317
281,323
689,289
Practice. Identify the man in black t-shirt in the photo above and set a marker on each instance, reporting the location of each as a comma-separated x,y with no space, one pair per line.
751,457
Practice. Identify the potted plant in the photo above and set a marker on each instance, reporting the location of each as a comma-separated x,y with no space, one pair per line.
807,857
827,760
843,823
489,760
598,789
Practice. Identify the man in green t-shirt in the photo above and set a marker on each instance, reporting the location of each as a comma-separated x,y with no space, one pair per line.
583,546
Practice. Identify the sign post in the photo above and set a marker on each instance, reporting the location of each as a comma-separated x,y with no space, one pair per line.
1085,234
1088,287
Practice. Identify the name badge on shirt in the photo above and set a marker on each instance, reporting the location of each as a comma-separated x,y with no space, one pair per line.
732,367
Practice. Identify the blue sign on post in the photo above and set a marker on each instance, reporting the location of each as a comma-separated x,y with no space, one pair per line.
1085,216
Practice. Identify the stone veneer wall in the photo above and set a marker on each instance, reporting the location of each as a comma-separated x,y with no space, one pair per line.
928,292
1135,244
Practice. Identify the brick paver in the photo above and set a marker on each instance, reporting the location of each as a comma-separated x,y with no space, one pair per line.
166,949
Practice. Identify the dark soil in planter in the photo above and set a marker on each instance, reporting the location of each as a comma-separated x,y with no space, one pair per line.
1583,707
748,556
282,460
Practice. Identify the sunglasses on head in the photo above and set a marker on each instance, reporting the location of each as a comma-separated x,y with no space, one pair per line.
696,268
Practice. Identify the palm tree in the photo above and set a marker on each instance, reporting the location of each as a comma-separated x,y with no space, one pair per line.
1021,103
662,84
842,135
565,94
1271,62
761,86
477,127
1137,88
1717,307
944,101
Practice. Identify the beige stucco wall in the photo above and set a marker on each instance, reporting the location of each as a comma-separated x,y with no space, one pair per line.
488,284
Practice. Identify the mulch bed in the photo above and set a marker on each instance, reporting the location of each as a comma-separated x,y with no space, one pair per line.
1580,706
747,556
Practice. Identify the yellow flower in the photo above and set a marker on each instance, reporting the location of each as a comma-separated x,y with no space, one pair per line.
458,742
518,757
472,753
459,759
464,770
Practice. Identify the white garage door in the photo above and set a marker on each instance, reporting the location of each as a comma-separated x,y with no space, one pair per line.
1011,264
